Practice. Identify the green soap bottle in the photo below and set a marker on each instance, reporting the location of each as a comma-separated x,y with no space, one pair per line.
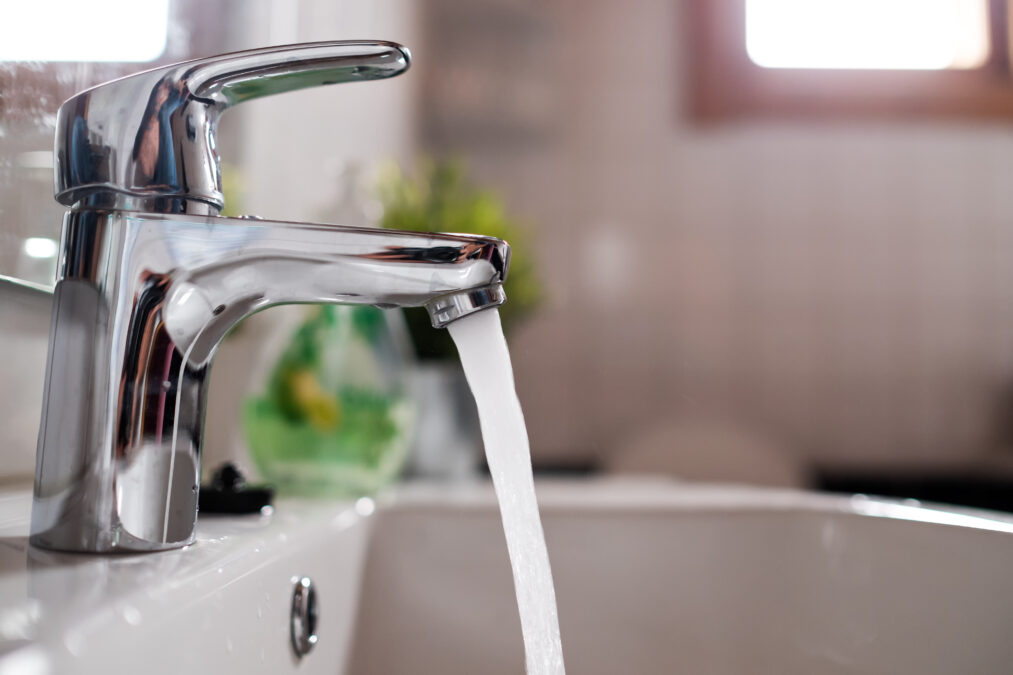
334,417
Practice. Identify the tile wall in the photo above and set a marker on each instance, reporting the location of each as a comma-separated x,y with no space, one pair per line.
846,289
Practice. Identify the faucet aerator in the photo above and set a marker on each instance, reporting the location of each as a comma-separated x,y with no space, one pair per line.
449,308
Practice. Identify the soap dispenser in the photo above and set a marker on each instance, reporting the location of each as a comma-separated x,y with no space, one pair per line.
331,414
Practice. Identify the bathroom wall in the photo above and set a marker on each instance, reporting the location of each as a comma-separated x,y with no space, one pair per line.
843,291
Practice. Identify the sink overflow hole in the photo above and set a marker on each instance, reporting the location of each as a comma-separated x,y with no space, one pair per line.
304,616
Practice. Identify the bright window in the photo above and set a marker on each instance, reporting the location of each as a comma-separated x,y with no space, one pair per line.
84,30
865,34
846,58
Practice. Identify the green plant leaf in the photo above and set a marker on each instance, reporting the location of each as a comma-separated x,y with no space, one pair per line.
438,197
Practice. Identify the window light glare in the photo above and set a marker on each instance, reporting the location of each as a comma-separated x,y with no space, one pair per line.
73,30
867,34
41,247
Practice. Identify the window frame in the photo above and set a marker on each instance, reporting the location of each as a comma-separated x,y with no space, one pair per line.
725,85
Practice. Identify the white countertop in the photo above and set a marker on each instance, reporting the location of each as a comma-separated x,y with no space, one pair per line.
58,609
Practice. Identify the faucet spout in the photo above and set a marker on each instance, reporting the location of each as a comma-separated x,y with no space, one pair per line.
141,304
242,266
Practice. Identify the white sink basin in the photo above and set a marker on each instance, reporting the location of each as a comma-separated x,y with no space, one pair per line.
667,579
651,578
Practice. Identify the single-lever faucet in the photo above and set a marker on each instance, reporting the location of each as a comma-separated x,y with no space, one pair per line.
151,279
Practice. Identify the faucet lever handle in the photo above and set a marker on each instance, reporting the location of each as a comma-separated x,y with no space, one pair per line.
148,141
229,79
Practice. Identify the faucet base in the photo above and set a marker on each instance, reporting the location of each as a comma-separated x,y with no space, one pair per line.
126,545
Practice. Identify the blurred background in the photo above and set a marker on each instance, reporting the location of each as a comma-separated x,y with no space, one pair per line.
773,240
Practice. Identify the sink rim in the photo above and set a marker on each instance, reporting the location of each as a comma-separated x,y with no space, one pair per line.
643,495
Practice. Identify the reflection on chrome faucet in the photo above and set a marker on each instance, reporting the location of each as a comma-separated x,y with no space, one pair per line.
150,281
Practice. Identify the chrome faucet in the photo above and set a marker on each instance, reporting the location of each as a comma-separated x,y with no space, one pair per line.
150,279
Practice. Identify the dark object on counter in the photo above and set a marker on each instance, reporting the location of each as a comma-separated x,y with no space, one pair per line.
229,493
969,489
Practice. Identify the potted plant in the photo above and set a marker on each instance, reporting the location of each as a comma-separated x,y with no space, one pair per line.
439,197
